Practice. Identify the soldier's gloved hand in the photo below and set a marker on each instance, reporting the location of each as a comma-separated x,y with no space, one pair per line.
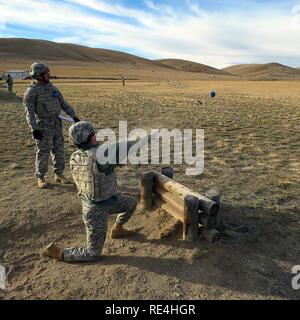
76,119
37,135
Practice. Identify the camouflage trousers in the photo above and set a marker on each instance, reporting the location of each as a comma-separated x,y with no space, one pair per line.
95,217
52,142
10,88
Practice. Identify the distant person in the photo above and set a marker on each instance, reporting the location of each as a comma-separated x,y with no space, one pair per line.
9,82
97,186
43,103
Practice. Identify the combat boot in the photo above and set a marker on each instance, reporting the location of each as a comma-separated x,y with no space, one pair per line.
60,178
118,231
42,183
53,251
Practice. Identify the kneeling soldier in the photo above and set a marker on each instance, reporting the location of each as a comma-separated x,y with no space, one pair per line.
97,186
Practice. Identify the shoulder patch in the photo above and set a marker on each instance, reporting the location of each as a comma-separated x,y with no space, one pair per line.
30,92
55,89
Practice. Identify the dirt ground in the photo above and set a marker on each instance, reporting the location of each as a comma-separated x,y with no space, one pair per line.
252,155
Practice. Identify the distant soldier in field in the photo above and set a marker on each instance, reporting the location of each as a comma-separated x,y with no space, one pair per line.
9,82
97,186
43,103
123,81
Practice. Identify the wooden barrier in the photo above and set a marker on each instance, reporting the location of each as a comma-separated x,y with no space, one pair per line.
189,207
146,190
205,205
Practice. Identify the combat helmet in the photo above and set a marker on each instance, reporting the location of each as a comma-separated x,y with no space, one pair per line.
37,69
80,132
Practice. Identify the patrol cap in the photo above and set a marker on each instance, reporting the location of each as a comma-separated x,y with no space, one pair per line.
80,132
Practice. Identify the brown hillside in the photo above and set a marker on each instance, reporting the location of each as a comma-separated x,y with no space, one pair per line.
27,49
79,61
264,71
190,66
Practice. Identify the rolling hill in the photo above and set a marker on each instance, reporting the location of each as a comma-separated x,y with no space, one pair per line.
80,61
27,49
264,71
71,60
190,66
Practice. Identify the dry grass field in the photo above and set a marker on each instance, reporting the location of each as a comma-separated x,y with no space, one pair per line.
252,155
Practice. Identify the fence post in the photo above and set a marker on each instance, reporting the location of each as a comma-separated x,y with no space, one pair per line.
168,172
146,190
191,209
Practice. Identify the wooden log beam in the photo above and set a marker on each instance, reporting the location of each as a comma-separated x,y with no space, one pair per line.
206,205
146,190
170,198
175,212
210,222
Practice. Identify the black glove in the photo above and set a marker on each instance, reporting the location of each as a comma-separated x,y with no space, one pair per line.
37,135
76,119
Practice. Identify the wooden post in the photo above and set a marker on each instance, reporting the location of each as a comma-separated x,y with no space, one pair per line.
168,172
190,231
210,222
146,190
214,195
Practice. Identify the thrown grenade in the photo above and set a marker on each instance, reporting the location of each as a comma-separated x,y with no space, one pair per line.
213,94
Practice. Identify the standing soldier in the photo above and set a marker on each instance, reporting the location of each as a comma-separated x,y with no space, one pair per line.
43,103
10,82
123,81
97,186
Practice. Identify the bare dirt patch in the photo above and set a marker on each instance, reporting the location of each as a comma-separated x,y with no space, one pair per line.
252,139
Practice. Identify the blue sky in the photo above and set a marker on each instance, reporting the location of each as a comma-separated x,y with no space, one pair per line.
215,32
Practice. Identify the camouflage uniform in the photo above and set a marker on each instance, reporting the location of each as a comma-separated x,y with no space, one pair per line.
97,186
10,82
95,217
43,104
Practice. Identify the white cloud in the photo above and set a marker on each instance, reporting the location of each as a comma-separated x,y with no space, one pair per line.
2,19
217,38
